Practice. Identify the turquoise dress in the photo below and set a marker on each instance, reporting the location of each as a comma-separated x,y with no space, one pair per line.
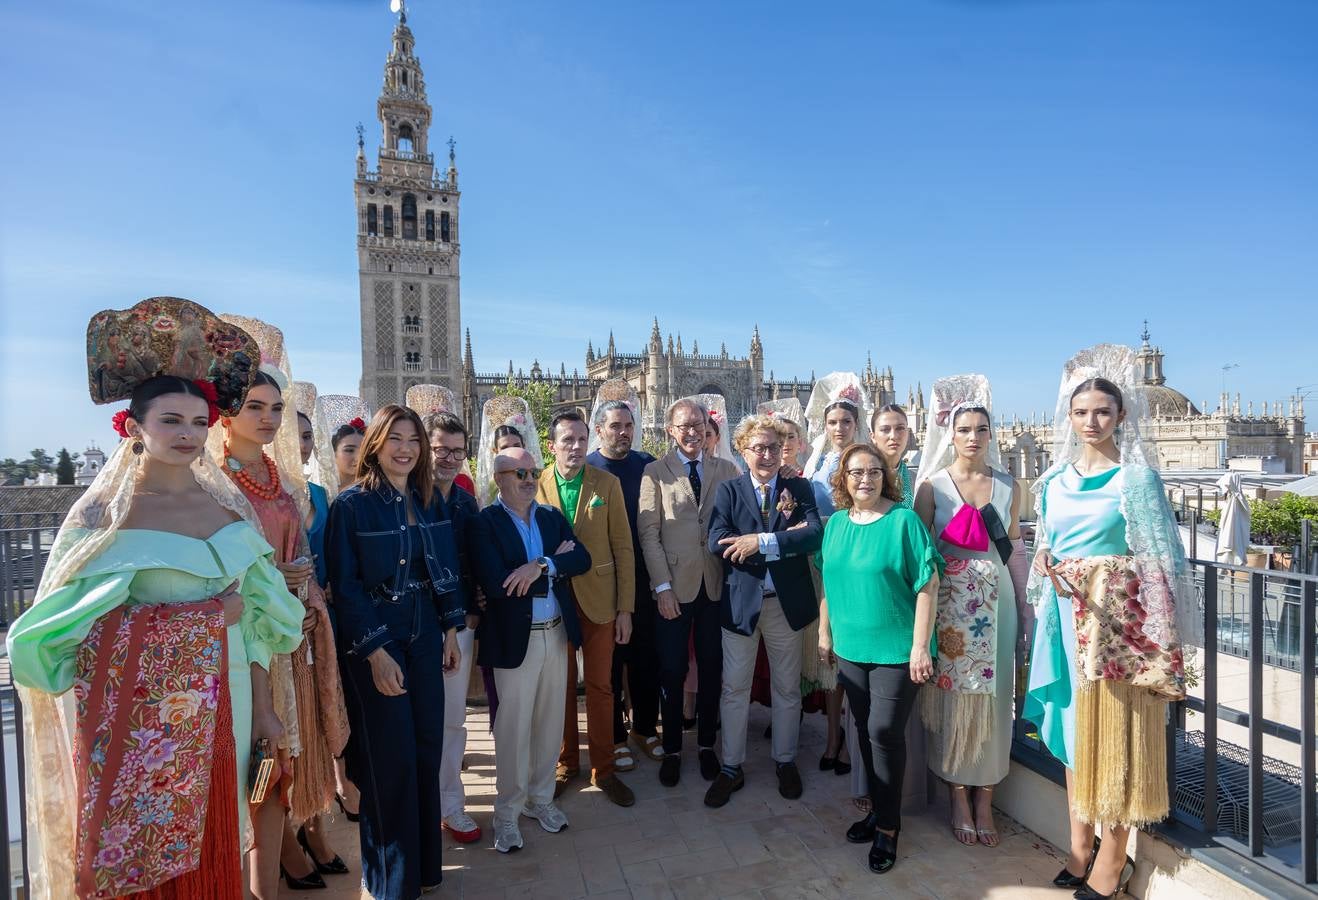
141,566
316,533
821,483
1081,518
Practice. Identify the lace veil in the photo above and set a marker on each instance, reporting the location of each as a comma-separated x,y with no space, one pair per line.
431,398
827,390
503,410
1167,590
788,410
613,389
320,468
950,395
48,720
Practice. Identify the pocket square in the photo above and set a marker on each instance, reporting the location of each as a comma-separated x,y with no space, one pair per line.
597,500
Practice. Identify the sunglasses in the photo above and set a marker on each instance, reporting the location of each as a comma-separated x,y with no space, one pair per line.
522,474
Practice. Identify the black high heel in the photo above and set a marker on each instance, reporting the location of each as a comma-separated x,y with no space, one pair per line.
335,866
883,855
312,882
351,817
1088,893
1065,879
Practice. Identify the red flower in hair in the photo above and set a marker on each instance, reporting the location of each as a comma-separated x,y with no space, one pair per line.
358,424
118,421
212,400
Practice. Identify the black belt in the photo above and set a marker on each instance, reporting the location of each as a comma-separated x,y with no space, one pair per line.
770,593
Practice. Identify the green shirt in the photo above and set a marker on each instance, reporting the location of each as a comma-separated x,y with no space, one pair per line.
568,493
871,575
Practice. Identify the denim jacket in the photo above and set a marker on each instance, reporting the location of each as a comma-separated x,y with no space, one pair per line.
369,551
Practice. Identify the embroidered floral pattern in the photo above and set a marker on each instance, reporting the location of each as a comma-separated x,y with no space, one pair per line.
147,702
1111,614
967,632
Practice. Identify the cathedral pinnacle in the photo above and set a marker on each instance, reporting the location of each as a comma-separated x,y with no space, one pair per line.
612,349
1144,335
467,364
399,8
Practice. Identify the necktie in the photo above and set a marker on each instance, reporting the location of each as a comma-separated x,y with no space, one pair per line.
694,478
764,505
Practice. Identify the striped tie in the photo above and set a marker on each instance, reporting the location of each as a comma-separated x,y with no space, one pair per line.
764,506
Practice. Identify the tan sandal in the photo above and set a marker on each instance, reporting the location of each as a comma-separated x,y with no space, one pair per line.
651,747
965,834
623,760
989,837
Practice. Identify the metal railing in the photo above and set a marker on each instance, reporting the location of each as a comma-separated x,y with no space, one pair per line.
1222,793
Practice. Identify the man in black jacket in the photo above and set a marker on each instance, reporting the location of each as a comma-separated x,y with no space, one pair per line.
766,527
525,555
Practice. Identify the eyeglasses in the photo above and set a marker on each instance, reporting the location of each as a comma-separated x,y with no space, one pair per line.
689,426
521,474
444,453
765,449
874,474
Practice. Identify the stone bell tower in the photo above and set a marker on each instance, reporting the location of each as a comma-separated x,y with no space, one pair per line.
407,241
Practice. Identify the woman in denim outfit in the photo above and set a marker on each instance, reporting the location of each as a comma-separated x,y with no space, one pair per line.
393,568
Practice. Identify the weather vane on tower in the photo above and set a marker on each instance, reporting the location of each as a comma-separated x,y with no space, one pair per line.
397,6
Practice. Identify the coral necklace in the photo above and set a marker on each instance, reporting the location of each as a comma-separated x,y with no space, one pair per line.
248,483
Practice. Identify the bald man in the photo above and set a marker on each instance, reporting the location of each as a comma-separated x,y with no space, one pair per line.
525,556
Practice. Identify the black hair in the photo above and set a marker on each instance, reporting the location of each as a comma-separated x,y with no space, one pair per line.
1103,386
343,431
153,388
569,415
890,408
973,409
506,431
302,415
609,406
846,404
267,379
443,421
710,420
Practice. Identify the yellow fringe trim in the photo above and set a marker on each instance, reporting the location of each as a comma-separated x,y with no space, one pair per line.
964,723
1121,758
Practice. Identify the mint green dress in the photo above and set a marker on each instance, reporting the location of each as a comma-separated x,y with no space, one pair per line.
1081,518
141,566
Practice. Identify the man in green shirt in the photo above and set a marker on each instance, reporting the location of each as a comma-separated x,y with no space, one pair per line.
592,501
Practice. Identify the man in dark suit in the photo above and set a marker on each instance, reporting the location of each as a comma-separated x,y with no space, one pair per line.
765,527
530,617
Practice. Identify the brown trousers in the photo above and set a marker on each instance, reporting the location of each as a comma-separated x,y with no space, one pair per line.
597,651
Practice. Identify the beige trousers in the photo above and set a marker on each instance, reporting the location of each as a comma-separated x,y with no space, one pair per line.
783,647
529,728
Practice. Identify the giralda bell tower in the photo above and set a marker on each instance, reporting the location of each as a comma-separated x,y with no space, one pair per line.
407,241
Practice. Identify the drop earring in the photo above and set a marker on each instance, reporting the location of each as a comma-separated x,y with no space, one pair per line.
138,447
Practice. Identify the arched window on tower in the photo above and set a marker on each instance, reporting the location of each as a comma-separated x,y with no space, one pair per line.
430,224
405,134
409,217
372,221
388,221
444,227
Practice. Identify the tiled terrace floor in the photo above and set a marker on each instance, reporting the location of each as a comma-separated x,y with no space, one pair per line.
669,845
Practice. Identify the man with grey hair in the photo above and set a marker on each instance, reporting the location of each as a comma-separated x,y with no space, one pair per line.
677,496
766,527
635,664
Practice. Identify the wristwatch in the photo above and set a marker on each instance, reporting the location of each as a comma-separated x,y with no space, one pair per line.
543,563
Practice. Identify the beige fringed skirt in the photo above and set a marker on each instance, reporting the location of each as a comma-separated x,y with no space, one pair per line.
1120,754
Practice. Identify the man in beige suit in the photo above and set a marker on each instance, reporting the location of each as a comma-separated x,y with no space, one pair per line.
677,496
591,500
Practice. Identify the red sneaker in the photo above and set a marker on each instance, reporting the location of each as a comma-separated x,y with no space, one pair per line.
463,828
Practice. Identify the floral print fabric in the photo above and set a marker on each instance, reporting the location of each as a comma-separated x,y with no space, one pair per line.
1112,642
966,628
147,688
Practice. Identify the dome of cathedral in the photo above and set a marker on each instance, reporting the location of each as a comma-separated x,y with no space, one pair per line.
1165,401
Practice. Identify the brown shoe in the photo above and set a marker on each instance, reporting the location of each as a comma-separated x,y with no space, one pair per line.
562,775
723,787
615,790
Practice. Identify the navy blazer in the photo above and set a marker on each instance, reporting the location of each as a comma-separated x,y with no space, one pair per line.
495,547
369,552
737,512
463,508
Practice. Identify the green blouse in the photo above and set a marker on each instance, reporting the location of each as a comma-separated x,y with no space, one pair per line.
872,574
141,566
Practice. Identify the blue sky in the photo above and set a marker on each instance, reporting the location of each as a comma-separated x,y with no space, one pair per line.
951,185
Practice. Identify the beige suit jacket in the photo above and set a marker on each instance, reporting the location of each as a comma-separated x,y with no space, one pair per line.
602,528
674,530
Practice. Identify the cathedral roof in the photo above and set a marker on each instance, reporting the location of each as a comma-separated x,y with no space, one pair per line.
1165,401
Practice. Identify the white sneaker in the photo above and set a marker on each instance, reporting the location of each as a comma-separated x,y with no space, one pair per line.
549,816
507,836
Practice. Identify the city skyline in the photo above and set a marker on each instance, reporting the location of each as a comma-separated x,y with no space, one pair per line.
833,180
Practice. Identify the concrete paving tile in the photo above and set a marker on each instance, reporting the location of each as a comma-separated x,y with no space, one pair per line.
601,871
607,835
648,872
650,848
699,863
651,892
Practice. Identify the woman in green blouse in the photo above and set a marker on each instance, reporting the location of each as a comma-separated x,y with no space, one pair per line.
881,572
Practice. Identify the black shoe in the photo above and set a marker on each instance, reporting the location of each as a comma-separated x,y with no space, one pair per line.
723,788
709,764
841,768
863,832
335,866
826,763
312,882
1065,879
351,817
688,724
883,855
1127,872
670,770
789,781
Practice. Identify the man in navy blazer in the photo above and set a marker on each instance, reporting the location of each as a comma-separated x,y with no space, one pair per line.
525,555
765,527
